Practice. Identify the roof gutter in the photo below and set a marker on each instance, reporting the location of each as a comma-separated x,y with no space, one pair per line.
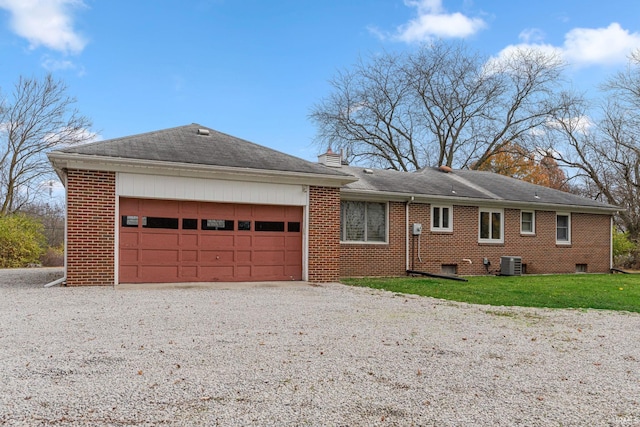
62,161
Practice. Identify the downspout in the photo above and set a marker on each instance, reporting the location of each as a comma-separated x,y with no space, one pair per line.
611,243
406,218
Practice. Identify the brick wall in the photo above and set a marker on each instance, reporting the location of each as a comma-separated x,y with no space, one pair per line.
91,204
540,253
324,234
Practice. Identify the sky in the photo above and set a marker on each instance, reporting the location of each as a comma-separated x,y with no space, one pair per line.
255,68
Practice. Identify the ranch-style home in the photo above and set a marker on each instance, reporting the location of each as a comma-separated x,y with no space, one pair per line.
190,204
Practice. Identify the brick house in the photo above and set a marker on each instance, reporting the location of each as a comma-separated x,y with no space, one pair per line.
190,204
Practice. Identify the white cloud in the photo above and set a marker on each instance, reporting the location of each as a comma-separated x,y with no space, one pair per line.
607,46
433,21
46,23
583,46
52,64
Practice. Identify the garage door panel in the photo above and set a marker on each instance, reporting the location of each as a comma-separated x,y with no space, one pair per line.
244,256
217,273
190,272
159,255
270,272
159,273
153,207
292,258
185,247
269,241
216,240
129,239
216,256
189,256
268,257
293,272
129,255
189,240
243,242
130,271
151,240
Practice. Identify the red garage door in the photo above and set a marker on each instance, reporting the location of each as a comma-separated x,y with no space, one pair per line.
166,241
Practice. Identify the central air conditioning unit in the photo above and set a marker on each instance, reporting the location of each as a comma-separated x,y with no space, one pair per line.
511,266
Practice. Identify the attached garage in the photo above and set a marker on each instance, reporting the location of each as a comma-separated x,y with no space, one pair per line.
184,241
190,204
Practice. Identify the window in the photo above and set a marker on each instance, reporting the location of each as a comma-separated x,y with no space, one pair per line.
159,222
563,229
293,227
363,221
217,224
189,224
441,218
269,226
129,221
244,225
491,226
527,222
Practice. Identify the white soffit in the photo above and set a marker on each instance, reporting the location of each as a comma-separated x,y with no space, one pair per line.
209,190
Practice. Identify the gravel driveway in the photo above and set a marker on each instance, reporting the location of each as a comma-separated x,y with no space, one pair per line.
310,355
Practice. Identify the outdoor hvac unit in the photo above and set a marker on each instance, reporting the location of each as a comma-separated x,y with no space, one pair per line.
511,266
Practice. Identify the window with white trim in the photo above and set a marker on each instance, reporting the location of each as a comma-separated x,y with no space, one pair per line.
491,226
527,222
363,221
441,218
563,228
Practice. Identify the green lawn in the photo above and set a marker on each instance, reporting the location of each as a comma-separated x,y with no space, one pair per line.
602,291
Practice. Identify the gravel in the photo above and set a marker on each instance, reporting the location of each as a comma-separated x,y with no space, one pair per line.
328,355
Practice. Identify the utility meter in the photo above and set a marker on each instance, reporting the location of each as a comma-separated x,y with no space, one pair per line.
417,229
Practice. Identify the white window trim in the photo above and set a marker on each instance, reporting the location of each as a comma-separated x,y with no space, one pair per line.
533,223
442,229
490,211
568,241
386,226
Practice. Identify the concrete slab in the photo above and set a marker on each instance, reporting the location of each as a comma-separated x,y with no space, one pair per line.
211,285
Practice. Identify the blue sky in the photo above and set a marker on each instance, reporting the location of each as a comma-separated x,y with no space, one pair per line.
254,68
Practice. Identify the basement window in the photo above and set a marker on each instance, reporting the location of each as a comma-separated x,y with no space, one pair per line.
581,268
450,269
217,224
159,222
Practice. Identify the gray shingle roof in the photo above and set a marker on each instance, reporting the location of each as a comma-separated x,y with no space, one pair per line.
184,145
462,184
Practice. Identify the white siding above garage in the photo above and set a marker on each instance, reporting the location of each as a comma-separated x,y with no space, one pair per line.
209,190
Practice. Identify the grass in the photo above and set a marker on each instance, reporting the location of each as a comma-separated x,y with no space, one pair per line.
601,291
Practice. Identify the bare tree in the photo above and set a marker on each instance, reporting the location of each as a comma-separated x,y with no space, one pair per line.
605,153
38,117
439,105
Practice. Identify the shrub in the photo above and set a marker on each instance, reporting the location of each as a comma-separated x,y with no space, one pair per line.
21,241
53,257
623,249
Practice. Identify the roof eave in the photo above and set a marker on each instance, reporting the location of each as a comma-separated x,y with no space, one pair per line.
61,161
